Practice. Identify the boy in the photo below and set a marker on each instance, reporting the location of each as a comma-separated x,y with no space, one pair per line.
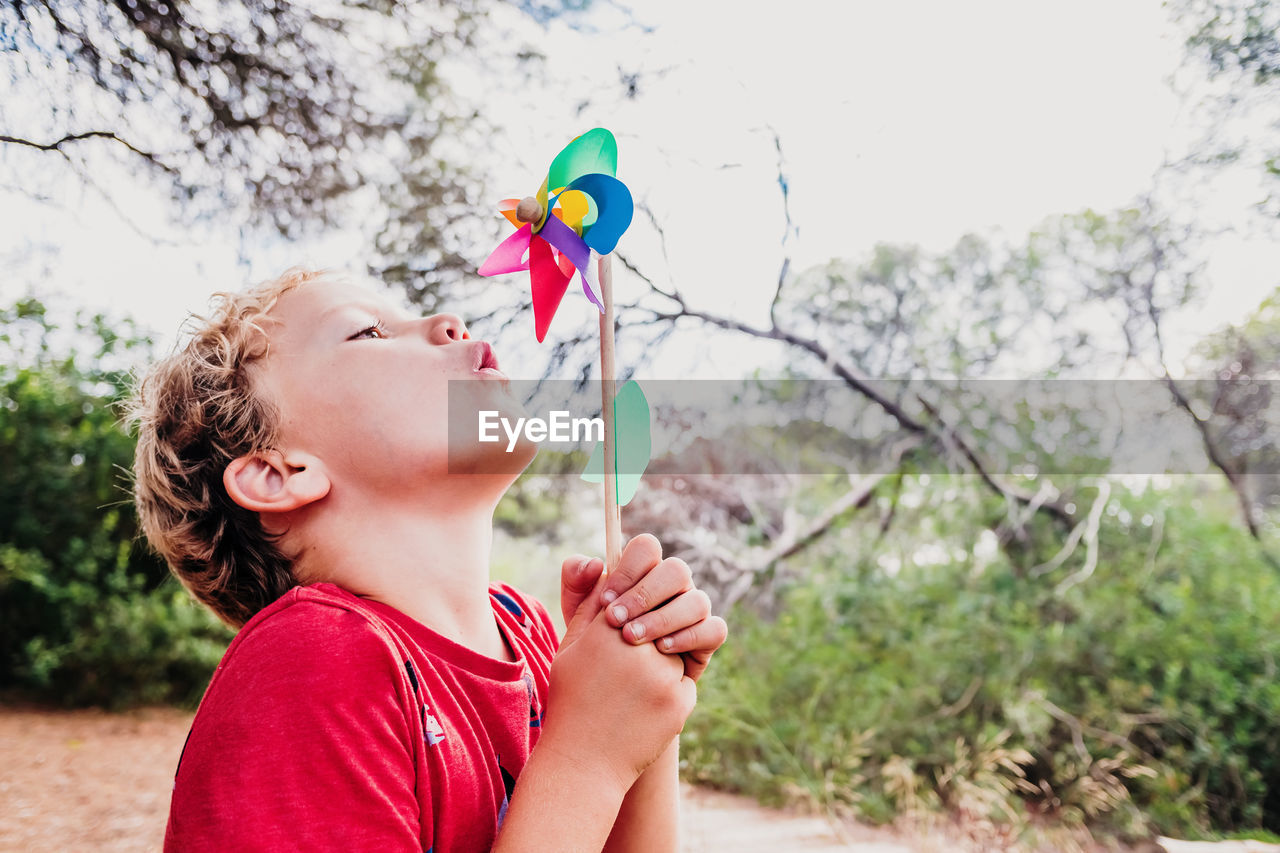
294,470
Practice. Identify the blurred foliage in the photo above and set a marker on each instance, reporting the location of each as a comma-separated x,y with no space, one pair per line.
534,507
87,614
1081,292
951,648
1236,44
1250,348
1244,361
1234,36
902,677
291,114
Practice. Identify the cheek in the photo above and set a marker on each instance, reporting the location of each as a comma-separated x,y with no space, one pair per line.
342,414
406,421
383,419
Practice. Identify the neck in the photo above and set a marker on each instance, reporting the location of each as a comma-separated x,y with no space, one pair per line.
432,565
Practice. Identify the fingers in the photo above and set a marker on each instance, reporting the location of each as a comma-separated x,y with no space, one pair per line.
649,598
578,576
667,580
696,644
639,556
682,612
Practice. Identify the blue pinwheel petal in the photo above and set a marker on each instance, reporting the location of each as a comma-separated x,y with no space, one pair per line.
614,210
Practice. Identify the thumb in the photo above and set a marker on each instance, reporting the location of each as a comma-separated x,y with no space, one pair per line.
589,606
578,578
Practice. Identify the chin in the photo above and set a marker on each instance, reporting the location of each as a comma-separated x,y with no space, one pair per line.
475,458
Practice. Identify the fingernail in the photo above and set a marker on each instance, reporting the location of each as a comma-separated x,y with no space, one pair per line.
637,630
668,643
609,596
620,613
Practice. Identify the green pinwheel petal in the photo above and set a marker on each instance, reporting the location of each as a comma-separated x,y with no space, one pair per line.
633,447
594,151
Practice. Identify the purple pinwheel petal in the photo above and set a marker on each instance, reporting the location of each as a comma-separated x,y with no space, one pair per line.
568,242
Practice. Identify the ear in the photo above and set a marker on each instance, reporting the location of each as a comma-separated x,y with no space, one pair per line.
271,482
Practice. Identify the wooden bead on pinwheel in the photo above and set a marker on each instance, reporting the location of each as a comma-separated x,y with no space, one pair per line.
528,210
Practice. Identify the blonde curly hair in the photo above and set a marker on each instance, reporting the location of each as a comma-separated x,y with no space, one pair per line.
195,411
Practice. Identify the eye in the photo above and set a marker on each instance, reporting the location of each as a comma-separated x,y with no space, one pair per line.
377,330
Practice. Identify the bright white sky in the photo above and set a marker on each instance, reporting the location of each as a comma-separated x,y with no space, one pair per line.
908,122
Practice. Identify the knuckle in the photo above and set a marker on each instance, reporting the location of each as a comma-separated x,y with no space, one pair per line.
703,603
673,701
640,600
640,555
682,702
679,569
657,623
684,639
620,579
647,543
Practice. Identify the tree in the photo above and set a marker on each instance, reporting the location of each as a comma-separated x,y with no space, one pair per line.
297,115
1236,415
87,613
1236,44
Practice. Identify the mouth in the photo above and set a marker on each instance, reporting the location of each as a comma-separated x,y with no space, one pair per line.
486,363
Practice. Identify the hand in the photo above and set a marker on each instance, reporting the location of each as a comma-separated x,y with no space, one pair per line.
658,602
613,707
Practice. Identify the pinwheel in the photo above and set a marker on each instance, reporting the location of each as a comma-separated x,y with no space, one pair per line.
582,208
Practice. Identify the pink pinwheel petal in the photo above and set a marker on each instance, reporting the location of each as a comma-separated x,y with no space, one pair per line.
509,256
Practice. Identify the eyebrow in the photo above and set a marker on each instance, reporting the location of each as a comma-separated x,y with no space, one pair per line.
378,311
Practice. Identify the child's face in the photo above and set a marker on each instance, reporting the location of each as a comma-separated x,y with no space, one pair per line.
365,387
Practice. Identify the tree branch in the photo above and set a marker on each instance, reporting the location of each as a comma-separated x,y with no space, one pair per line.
57,144
793,542
971,456
865,387
1090,541
859,383
787,231
1079,728
1211,449
1220,462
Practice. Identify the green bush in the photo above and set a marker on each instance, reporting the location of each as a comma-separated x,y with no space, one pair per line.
1143,697
87,614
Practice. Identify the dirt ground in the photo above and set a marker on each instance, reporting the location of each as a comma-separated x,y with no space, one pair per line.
95,782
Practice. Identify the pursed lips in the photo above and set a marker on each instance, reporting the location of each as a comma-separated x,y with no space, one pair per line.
485,361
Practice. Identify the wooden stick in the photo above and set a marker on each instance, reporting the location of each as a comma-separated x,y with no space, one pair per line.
608,374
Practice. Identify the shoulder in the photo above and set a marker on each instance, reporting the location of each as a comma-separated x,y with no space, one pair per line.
309,707
312,635
527,610
314,666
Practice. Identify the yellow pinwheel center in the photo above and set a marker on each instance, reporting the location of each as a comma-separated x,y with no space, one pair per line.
574,208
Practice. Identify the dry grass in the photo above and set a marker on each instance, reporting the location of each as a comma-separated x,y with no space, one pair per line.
94,781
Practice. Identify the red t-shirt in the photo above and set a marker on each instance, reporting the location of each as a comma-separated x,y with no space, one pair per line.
337,723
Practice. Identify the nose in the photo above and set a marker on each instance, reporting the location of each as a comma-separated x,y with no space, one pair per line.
446,328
